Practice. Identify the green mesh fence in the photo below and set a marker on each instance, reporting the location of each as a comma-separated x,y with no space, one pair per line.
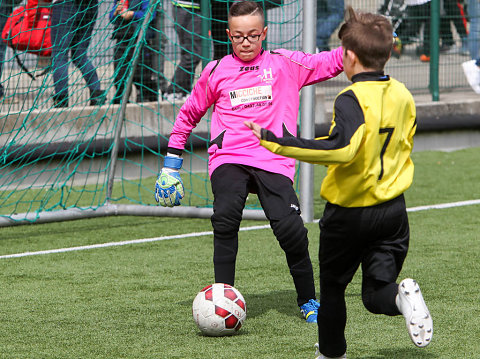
95,149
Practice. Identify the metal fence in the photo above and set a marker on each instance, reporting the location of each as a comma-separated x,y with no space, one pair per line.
285,31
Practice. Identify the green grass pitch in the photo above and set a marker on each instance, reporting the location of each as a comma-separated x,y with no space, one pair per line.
134,301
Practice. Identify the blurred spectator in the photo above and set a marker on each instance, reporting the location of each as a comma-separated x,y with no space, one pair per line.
127,17
472,67
158,46
188,25
418,13
474,34
397,11
72,26
452,13
6,8
221,43
329,16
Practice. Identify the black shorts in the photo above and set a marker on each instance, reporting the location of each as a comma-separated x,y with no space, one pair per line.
376,237
231,184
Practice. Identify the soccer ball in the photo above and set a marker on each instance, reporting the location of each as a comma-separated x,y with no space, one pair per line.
219,309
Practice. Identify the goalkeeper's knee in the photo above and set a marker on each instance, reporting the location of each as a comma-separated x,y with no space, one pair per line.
291,234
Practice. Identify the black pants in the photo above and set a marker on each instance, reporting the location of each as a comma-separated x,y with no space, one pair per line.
376,237
188,24
72,27
452,14
231,185
418,15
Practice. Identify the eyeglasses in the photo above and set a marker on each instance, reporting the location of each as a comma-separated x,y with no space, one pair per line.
237,39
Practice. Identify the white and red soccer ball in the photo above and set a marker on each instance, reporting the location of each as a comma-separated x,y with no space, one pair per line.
219,309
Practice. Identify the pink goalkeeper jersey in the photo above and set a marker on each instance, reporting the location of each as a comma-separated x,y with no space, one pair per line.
264,90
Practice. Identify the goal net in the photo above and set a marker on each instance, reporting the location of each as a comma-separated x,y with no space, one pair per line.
76,152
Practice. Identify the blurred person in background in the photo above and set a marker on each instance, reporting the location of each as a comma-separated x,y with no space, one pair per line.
329,16
188,25
221,43
453,13
6,8
71,30
127,17
396,10
472,68
159,45
418,13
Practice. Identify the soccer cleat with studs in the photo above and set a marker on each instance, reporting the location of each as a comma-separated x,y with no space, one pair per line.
417,317
310,310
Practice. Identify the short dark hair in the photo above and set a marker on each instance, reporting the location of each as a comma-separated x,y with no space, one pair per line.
242,8
369,36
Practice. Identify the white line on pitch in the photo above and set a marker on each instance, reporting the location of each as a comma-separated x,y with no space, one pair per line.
444,205
209,233
122,243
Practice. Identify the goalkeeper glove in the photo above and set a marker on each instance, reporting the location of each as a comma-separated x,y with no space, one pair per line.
169,186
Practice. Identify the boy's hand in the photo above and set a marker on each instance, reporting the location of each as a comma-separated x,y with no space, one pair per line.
169,186
127,15
122,11
256,129
119,7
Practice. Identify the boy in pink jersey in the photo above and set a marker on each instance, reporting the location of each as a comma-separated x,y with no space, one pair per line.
262,86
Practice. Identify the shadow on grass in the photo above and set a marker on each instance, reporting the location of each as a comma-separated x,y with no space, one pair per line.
282,301
396,353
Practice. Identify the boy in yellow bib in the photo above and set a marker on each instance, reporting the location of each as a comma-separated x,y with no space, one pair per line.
365,220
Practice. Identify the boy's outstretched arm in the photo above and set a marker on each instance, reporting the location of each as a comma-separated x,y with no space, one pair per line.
314,68
340,146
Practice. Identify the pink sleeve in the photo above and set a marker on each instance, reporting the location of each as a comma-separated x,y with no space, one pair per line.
193,109
315,68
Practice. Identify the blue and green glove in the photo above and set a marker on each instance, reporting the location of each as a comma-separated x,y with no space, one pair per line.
169,186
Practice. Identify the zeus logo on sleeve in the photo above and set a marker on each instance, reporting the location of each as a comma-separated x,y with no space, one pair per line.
250,95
